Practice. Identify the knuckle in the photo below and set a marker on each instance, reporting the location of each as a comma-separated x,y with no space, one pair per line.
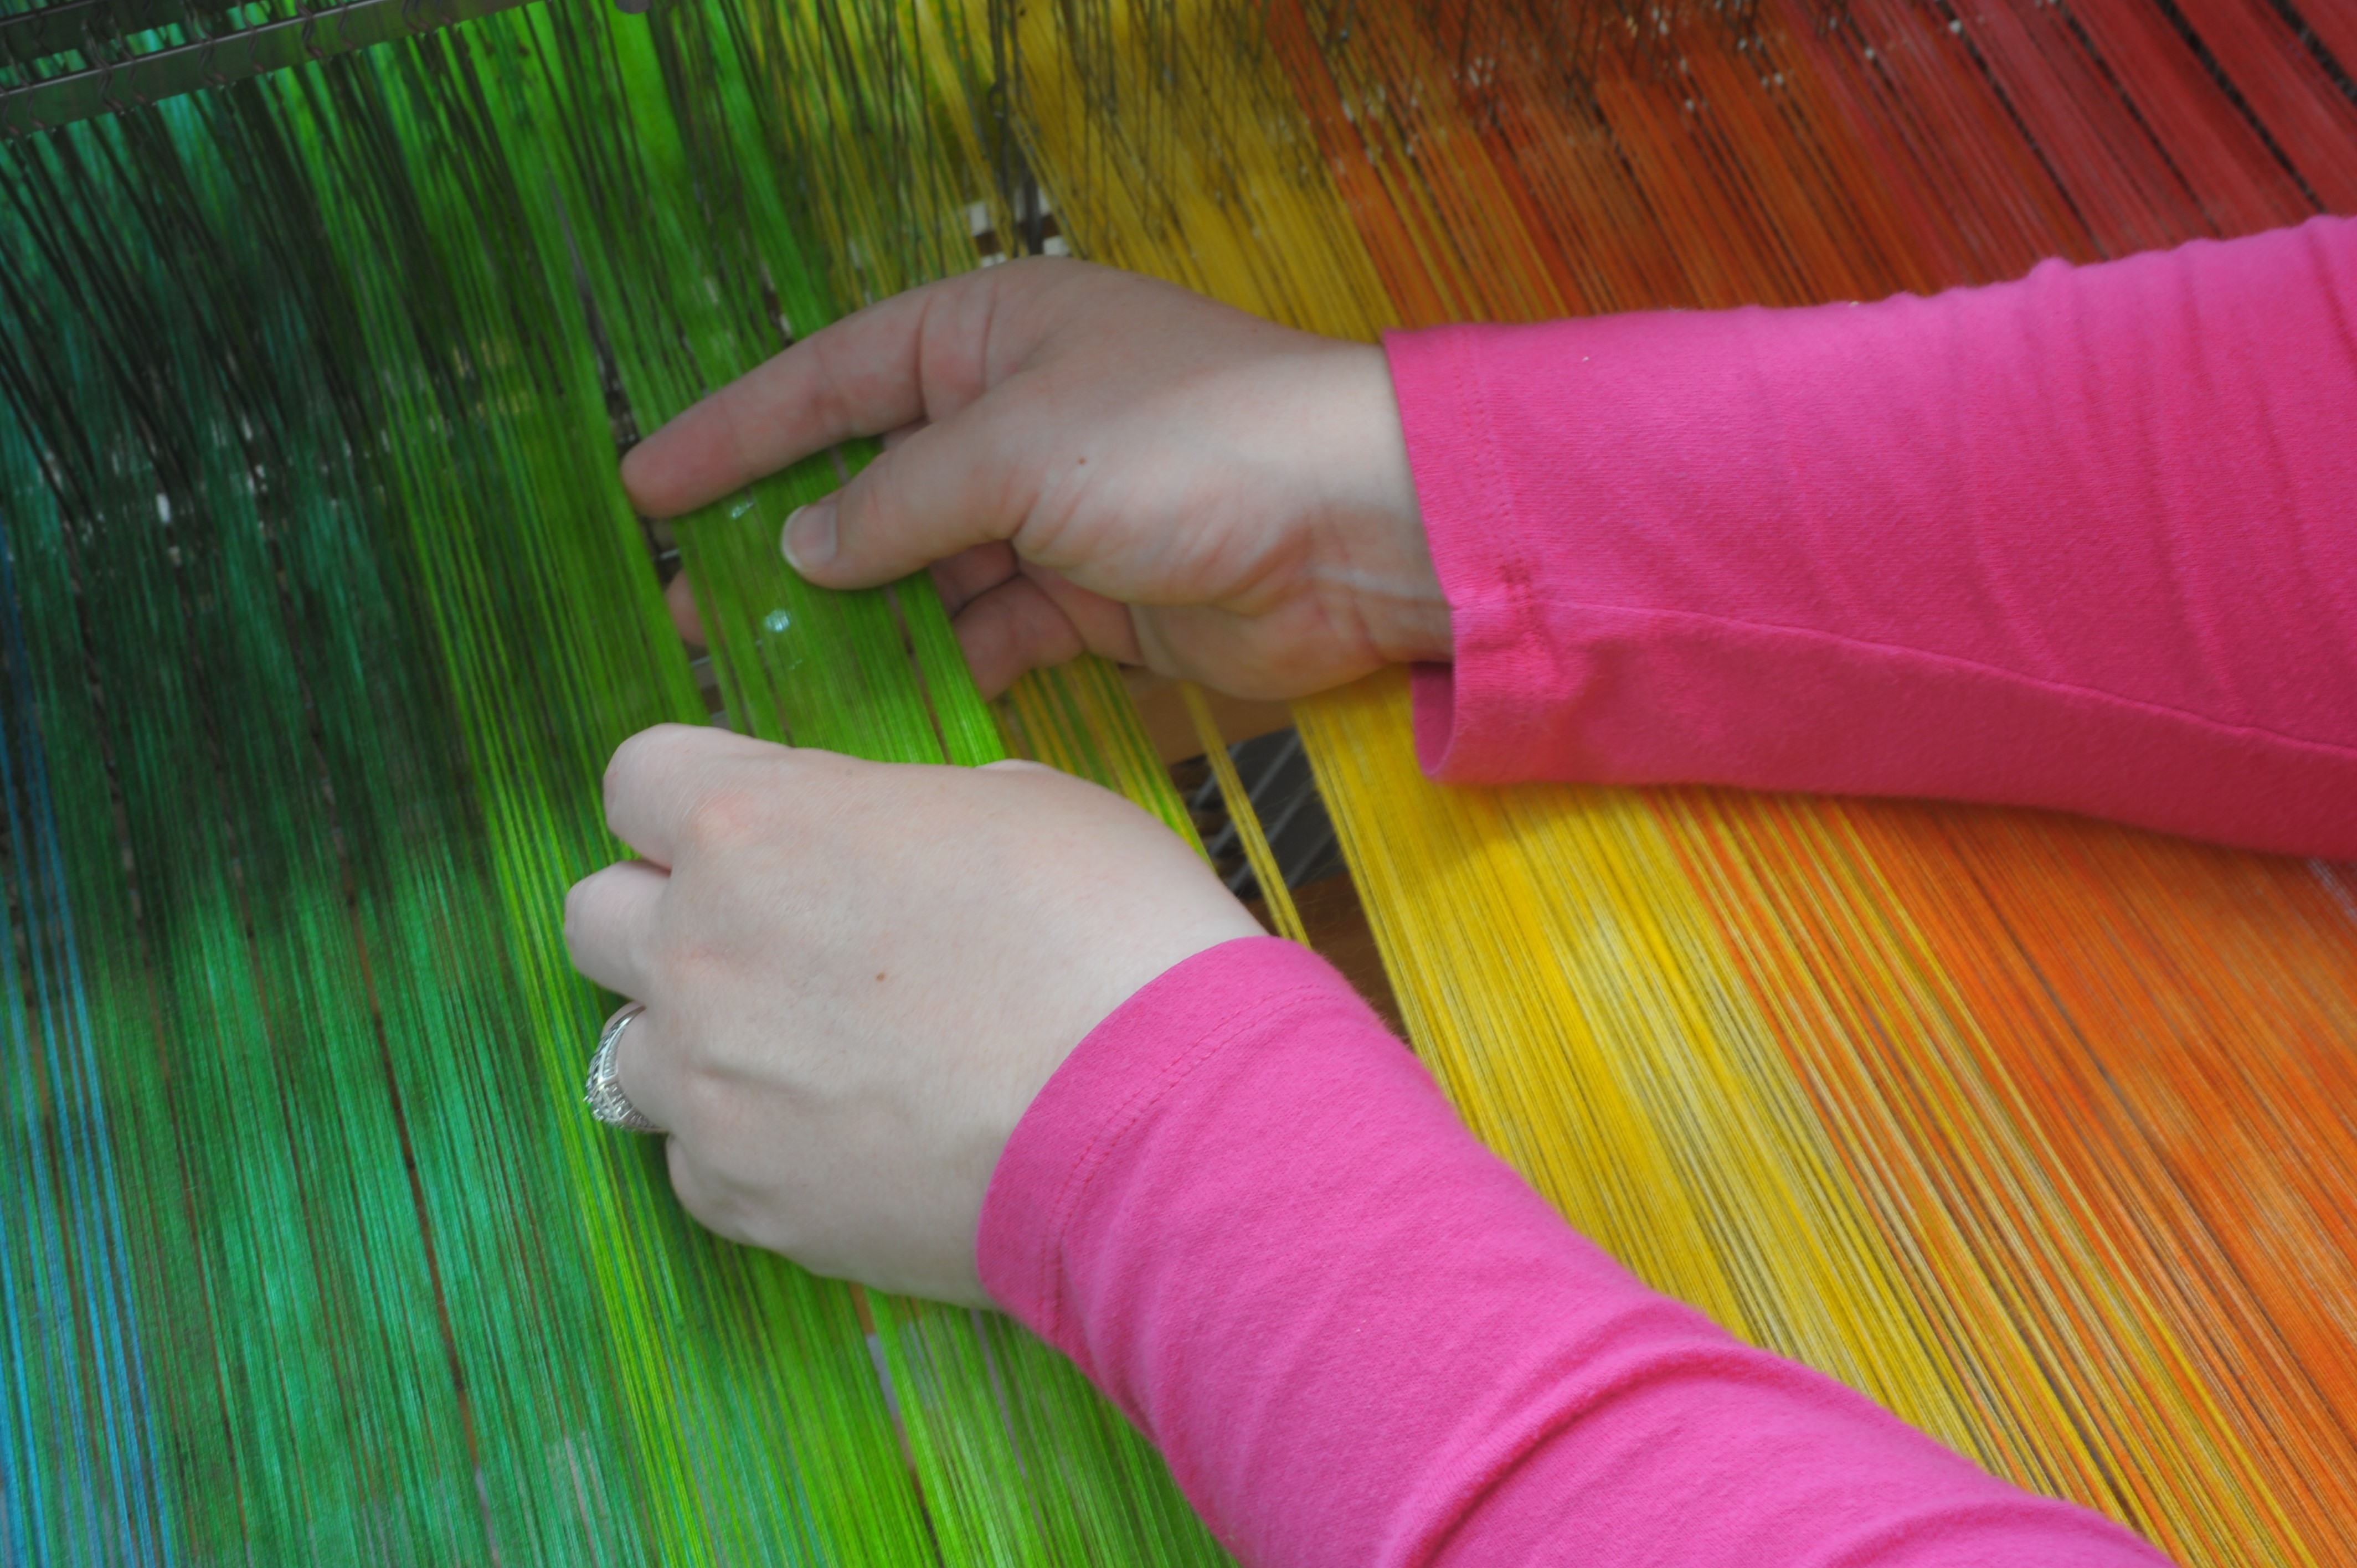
697,1192
870,506
666,952
647,753
728,818
713,1101
683,967
635,750
577,919
1043,271
644,1058
587,906
729,1208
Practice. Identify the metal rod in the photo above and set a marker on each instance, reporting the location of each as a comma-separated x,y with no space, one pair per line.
143,79
30,36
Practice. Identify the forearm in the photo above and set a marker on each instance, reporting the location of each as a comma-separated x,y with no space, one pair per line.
1248,1215
2087,540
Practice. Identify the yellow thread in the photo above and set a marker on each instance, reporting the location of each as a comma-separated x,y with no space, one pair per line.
1273,890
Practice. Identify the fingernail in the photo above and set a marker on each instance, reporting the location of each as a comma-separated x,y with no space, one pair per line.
809,538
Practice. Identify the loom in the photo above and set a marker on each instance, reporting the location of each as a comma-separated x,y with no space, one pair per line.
322,611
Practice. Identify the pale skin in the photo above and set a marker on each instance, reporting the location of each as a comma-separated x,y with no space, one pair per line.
858,975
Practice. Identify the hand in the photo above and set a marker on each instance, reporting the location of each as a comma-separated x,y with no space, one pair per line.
1092,460
858,975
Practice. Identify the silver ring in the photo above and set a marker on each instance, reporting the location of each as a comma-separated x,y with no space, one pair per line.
603,1093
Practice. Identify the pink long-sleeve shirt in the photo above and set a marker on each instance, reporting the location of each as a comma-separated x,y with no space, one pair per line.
2087,540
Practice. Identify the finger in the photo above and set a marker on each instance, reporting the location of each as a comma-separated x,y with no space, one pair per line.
608,917
967,480
1012,629
679,599
705,1199
647,1066
660,778
1039,616
914,356
1104,624
967,576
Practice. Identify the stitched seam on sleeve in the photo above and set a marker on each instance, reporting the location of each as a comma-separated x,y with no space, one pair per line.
1259,1012
2337,748
1497,512
1494,543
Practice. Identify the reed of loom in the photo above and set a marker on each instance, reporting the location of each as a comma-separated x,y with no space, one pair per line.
319,611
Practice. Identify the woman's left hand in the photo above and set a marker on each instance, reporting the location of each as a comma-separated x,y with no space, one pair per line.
858,975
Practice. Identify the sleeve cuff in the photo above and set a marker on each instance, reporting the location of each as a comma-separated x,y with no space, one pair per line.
1106,1091
1474,719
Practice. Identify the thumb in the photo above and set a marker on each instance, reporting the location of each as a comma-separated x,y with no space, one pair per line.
945,489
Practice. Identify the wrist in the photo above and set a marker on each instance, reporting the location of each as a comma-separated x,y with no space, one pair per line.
1381,556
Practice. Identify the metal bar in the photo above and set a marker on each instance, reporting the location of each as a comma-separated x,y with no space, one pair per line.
30,36
146,79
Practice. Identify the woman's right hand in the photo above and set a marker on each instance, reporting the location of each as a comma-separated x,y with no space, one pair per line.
1092,460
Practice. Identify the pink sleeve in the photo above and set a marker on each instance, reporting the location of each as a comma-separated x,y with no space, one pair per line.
2085,540
1246,1213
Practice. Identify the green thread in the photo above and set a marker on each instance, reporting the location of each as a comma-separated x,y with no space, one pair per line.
331,613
